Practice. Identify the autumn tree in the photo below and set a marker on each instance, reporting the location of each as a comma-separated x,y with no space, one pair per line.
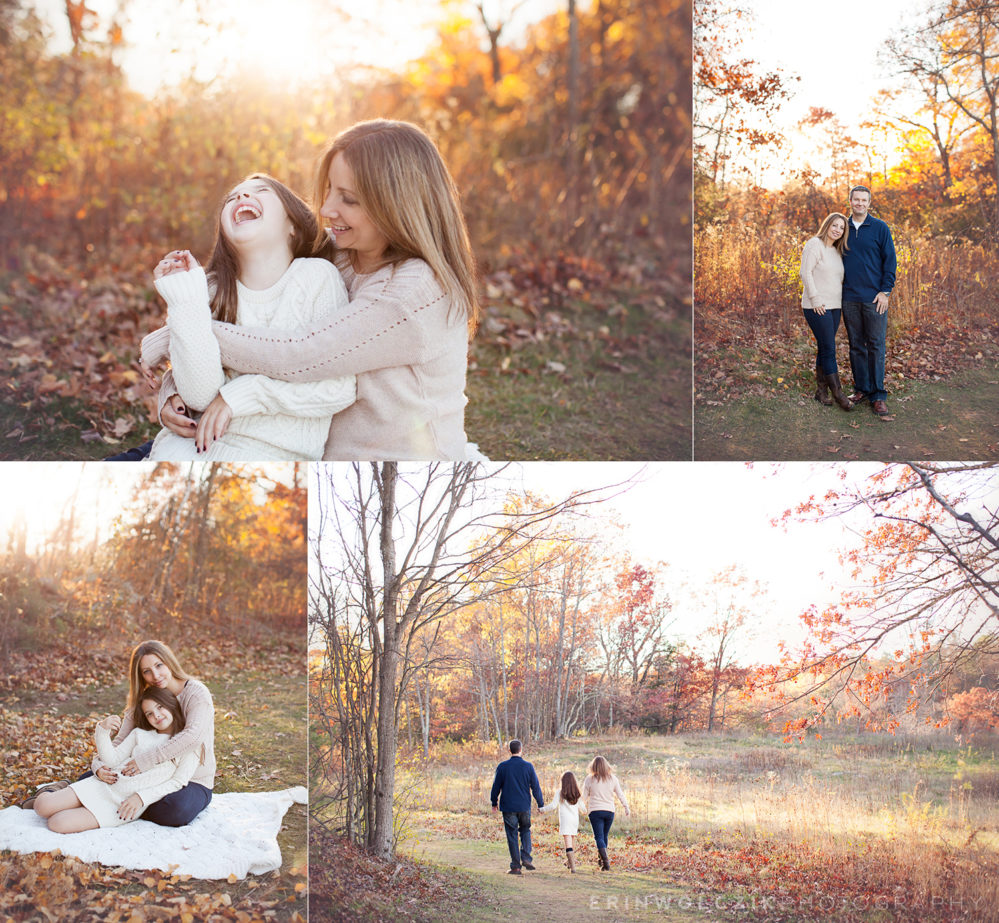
401,550
927,605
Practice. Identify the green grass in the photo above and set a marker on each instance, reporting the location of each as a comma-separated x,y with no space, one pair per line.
609,403
957,418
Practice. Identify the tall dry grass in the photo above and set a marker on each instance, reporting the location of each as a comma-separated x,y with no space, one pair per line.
918,814
747,285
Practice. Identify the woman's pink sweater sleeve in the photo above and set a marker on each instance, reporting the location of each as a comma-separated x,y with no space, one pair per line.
393,321
199,720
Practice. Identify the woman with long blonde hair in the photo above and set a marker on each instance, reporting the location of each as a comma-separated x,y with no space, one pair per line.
600,788
387,200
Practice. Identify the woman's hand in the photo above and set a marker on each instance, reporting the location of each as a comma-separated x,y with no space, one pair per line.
627,812
820,310
174,261
106,774
129,809
213,423
174,417
111,723
131,768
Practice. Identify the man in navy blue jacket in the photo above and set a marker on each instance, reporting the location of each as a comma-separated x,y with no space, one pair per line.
517,781
869,277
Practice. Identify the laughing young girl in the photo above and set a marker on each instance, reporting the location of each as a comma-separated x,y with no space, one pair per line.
265,271
91,802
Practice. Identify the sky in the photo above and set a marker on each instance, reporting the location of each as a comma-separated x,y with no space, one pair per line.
833,49
700,517
285,40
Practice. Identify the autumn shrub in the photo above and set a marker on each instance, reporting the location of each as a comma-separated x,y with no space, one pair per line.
748,289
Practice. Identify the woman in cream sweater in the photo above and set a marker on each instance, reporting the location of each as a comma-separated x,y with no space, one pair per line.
600,789
821,301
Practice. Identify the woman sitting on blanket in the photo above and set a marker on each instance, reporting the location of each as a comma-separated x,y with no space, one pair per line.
155,666
91,803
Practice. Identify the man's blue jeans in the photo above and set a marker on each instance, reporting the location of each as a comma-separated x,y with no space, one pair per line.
824,326
518,822
601,822
867,331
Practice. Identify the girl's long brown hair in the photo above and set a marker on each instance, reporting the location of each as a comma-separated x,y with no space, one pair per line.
223,265
165,698
570,793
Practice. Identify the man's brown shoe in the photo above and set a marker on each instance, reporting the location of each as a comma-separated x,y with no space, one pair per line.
880,408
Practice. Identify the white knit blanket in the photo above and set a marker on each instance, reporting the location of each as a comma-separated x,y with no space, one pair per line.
235,835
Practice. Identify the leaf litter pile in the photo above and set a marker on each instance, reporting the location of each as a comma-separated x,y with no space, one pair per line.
48,710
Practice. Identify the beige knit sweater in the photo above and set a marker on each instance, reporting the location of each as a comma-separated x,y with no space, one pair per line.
408,347
599,794
199,732
821,276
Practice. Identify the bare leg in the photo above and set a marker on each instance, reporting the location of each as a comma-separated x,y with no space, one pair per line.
74,820
49,803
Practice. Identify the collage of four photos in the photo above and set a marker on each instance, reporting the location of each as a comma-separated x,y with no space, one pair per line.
497,459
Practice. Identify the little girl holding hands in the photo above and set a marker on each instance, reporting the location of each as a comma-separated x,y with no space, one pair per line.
91,803
569,802
264,271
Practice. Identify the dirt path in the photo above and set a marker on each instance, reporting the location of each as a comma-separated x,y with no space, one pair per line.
947,420
550,893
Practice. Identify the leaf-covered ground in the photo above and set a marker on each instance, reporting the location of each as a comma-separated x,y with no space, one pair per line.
572,361
49,702
753,399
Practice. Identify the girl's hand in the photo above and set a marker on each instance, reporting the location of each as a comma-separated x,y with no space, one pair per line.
131,768
105,774
213,423
149,376
174,261
129,809
111,723
174,417
627,812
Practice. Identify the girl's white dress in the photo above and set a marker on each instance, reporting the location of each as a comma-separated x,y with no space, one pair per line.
568,814
103,800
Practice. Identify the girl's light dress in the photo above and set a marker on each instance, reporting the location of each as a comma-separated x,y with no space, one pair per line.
568,814
103,800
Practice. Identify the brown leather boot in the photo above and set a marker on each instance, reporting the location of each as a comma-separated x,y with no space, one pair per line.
822,388
604,861
837,391
569,860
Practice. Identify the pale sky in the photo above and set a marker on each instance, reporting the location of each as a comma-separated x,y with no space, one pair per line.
701,517
833,48
294,41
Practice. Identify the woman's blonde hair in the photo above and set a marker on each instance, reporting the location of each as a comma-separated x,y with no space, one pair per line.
840,244
600,768
136,684
406,190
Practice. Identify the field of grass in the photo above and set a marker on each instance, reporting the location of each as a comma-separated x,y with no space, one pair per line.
260,745
864,828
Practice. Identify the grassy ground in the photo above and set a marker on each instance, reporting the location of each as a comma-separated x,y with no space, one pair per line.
859,828
957,418
260,745
615,388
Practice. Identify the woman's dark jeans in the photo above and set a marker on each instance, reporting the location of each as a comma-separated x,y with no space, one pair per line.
824,326
601,822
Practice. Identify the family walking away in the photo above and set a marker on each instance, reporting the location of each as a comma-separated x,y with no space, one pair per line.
351,324
848,269
516,782
160,766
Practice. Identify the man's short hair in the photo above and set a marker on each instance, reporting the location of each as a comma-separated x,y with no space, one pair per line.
515,746
860,189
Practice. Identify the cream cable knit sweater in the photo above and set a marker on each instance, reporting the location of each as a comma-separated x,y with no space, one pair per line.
199,731
156,782
408,348
821,275
272,419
